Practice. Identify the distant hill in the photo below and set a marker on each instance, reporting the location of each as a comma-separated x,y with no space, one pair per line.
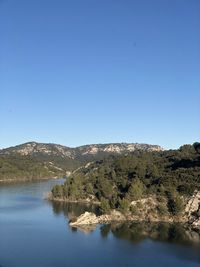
41,160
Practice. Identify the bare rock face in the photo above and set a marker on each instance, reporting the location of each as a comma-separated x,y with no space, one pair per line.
192,210
196,224
34,148
89,218
193,203
115,216
86,218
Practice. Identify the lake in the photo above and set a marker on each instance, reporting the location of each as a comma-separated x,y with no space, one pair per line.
36,233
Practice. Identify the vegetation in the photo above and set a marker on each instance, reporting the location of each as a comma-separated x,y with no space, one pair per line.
105,205
40,160
117,181
17,167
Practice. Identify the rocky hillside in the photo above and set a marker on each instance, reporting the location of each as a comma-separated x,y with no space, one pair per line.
39,160
147,210
145,186
33,148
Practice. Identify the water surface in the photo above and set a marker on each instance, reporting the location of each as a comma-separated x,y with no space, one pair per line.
35,233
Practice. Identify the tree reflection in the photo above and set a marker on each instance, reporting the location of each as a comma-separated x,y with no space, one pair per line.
71,210
133,232
137,232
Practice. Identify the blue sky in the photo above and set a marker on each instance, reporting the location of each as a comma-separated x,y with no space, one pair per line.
79,72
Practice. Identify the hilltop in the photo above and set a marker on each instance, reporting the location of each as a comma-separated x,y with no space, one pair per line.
34,160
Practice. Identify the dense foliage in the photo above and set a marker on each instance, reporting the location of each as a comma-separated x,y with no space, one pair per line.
116,181
17,167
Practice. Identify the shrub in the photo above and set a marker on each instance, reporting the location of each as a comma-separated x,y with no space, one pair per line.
175,203
105,206
162,209
124,205
134,210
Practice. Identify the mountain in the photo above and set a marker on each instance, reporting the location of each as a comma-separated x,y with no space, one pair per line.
41,160
33,148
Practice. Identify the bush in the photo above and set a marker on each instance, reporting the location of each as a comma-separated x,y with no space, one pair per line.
134,210
105,206
175,203
136,189
162,209
57,191
124,205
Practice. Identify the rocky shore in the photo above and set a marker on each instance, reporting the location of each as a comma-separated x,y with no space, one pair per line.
190,215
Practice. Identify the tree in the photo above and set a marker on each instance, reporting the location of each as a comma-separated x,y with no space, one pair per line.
154,171
124,205
105,187
141,169
197,147
162,209
105,206
57,191
136,189
175,203
89,189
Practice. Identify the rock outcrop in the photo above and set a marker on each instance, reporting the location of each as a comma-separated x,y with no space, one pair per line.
34,148
89,218
192,210
86,218
190,215
193,204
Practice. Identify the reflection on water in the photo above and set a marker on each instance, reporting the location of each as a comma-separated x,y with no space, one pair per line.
71,210
132,231
35,233
137,232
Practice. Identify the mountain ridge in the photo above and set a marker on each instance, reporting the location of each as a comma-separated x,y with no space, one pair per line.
32,160
33,147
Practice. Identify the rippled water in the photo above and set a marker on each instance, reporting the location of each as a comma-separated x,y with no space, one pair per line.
35,233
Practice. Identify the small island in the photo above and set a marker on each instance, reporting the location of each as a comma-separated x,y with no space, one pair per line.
155,186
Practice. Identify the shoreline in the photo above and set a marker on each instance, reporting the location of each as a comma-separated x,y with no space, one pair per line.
81,201
22,180
117,216
189,215
89,219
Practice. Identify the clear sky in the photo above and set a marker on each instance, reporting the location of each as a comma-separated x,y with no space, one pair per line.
99,71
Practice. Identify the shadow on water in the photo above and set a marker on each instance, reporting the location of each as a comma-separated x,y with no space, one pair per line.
71,210
163,232
131,231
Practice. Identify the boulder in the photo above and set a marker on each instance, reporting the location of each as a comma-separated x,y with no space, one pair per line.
86,218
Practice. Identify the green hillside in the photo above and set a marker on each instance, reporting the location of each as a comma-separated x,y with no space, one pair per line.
116,181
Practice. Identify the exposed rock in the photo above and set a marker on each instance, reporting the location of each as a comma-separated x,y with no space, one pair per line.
89,218
34,148
147,211
193,204
196,224
86,218
115,216
192,210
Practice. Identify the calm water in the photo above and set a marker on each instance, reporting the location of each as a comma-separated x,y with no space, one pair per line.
35,233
